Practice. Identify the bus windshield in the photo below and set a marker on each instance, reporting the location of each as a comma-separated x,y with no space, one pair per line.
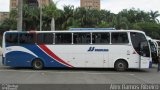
140,44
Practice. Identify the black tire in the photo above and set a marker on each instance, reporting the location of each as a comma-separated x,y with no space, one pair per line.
121,65
37,64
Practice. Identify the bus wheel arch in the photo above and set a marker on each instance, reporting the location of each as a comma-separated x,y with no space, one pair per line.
37,64
121,65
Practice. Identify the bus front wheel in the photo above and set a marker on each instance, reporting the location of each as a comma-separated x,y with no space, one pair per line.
121,65
37,64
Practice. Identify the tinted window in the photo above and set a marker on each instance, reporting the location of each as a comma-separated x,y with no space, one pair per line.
45,38
81,38
152,46
119,38
100,38
63,38
27,38
11,38
139,42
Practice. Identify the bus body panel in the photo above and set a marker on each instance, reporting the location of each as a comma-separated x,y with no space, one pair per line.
80,56
17,58
91,56
145,62
75,55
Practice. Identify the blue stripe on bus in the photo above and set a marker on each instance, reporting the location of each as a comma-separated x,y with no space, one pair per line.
48,61
18,59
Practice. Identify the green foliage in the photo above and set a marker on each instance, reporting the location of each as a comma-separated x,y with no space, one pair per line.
71,17
135,16
8,24
30,17
103,25
49,12
154,15
150,28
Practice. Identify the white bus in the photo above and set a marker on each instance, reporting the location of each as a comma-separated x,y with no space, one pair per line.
119,49
154,49
157,42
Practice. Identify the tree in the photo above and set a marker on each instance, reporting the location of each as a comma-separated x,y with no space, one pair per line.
150,28
9,24
71,17
154,16
135,16
120,22
49,12
67,17
80,16
30,17
13,14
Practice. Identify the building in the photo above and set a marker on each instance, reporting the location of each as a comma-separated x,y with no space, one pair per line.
44,2
91,4
14,3
3,16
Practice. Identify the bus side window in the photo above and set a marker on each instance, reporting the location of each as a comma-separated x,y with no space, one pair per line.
63,38
81,38
26,38
11,38
100,38
119,38
45,38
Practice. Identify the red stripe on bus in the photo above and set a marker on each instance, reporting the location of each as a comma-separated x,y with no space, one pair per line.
49,52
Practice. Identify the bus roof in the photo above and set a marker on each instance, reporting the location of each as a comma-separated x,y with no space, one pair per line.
65,31
76,29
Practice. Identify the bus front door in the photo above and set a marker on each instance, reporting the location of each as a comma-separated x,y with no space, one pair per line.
144,60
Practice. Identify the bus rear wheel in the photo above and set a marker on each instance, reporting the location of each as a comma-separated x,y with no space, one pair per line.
37,64
121,65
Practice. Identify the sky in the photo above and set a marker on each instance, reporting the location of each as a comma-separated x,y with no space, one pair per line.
114,6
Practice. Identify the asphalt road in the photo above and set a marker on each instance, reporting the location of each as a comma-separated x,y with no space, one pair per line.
78,76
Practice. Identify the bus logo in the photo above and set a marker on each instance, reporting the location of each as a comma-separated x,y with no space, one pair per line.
91,49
